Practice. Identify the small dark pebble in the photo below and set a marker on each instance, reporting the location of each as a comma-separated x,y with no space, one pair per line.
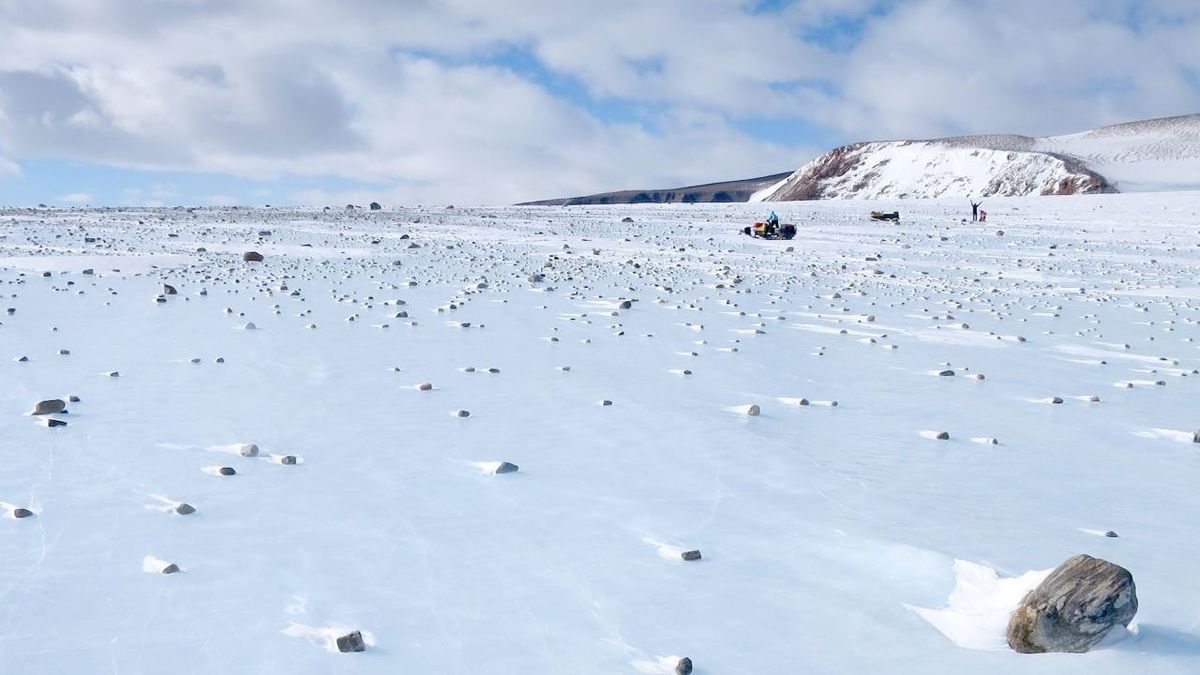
289,460
943,436
21,513
684,667
691,555
507,467
1111,534
171,569
184,509
227,471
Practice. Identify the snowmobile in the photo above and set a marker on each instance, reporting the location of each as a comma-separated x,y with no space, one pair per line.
770,230
880,215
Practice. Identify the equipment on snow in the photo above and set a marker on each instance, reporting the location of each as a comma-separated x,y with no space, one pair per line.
769,230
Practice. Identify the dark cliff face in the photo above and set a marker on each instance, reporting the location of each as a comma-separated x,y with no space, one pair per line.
811,184
1080,185
1084,182
729,191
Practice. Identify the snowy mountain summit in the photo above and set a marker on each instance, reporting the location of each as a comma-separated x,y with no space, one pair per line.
1149,155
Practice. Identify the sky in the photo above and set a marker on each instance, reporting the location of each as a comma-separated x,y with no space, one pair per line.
407,102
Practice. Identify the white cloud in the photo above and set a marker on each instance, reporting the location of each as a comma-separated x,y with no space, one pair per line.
76,198
400,93
9,168
1018,66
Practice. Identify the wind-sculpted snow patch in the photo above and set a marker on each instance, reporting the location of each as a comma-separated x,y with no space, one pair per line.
977,611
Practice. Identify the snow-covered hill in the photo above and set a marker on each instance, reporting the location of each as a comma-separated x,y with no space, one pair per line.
1160,154
926,169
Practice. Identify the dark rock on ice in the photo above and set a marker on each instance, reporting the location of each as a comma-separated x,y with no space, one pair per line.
49,406
1074,608
351,642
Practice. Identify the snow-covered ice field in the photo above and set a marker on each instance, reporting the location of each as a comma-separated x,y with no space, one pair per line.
838,534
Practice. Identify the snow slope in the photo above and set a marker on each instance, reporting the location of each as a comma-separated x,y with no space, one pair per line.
1159,154
927,169
835,538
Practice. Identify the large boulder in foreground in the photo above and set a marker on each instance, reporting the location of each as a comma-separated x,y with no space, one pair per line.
1074,608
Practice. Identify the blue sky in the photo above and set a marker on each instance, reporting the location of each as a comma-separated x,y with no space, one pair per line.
265,101
66,182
